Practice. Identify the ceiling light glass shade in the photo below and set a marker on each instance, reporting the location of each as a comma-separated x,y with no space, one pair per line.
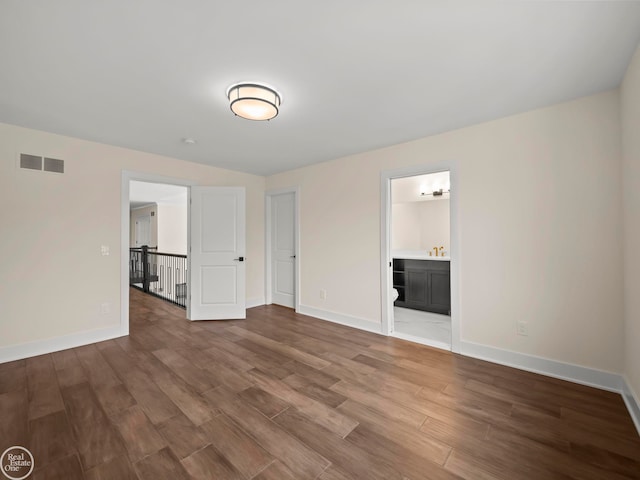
253,101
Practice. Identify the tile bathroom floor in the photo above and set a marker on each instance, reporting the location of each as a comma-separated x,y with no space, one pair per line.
427,325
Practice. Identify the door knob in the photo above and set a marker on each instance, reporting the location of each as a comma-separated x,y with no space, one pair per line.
292,256
239,259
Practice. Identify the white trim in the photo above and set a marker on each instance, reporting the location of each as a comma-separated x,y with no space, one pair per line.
631,401
55,344
342,319
254,302
267,242
422,341
127,177
386,276
552,368
386,279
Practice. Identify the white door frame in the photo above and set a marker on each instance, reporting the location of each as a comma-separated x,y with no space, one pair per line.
385,243
296,228
125,239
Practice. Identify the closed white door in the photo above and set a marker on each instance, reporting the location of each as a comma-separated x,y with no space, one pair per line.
217,253
283,254
143,231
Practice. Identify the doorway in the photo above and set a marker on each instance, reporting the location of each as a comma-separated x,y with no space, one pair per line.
419,253
420,246
158,249
213,206
126,233
282,248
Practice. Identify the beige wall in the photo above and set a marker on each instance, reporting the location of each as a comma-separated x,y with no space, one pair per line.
172,228
544,247
53,278
434,225
630,114
405,226
420,226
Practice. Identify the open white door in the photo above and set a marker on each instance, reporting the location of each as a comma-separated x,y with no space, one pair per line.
216,258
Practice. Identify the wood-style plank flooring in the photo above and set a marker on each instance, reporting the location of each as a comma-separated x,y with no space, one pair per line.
281,396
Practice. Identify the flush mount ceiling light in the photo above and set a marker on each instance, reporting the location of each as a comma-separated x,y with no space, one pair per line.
253,101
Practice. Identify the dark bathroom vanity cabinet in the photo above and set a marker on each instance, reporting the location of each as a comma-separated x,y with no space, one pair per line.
423,284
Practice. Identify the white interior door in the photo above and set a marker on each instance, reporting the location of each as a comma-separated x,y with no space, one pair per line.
143,230
216,258
283,254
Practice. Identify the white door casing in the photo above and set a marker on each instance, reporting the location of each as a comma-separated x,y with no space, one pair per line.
217,257
283,254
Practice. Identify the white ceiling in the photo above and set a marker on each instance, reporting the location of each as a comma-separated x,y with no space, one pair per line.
355,75
145,193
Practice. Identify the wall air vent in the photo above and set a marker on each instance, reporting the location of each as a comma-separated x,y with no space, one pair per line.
53,165
35,162
30,162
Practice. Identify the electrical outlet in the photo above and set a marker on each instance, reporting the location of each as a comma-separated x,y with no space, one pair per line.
522,328
104,250
105,308
323,294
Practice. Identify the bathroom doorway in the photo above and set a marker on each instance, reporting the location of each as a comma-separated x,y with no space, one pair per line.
419,258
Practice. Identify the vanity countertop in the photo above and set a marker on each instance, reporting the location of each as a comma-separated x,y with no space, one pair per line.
418,255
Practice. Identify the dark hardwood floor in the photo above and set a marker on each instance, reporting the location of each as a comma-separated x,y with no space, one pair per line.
281,396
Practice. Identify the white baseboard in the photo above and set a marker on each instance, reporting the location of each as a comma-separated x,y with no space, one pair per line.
254,302
631,401
552,368
341,318
50,345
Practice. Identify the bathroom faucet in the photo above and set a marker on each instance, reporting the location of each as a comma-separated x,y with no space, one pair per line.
436,249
